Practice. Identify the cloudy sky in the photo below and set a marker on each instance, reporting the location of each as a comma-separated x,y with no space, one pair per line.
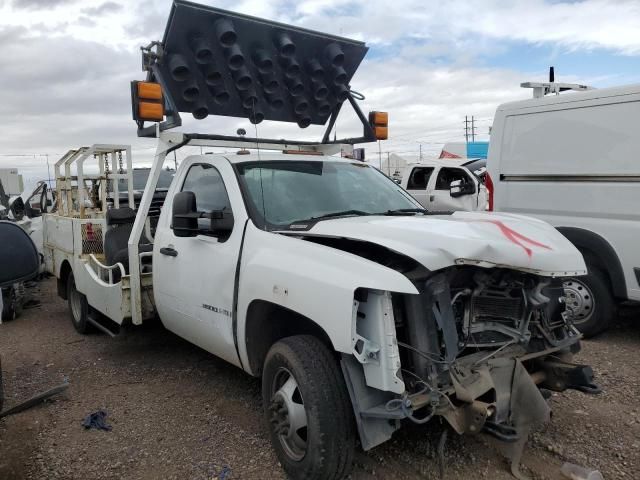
65,65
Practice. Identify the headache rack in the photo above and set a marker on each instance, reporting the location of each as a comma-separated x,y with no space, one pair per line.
84,194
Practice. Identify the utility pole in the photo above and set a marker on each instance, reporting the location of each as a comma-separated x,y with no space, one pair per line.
469,128
473,128
48,170
380,154
421,152
388,165
466,129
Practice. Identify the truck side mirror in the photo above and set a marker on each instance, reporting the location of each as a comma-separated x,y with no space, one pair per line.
221,223
184,218
458,188
18,255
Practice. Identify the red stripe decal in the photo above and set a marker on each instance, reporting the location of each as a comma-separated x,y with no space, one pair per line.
516,237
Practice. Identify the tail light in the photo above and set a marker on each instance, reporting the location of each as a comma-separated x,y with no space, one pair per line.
488,183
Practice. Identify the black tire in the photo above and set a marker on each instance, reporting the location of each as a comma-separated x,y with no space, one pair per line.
591,299
10,307
1,388
78,307
320,389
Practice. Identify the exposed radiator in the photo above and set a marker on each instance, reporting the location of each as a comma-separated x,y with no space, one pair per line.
498,307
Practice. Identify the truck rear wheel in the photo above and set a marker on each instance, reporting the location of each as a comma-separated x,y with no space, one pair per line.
10,304
1,388
78,306
590,301
307,408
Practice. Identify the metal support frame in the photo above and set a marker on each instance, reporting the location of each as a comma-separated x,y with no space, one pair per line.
174,119
103,152
64,183
213,140
165,142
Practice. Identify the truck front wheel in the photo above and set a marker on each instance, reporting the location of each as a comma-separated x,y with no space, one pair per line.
78,306
307,408
590,301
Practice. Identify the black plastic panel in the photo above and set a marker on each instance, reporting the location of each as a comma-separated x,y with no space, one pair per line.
18,256
221,63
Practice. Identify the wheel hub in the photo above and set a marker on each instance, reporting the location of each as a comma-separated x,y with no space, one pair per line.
288,416
579,300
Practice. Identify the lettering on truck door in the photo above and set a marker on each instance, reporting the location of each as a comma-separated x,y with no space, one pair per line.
194,277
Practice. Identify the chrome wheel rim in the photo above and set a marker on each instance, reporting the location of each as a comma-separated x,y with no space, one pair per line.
288,416
579,300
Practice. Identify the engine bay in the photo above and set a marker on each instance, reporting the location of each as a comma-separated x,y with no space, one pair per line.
479,347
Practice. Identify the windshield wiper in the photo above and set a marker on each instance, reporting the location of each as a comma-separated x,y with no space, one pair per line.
343,213
404,211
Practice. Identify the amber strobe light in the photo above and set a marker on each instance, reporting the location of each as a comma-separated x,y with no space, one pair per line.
147,101
380,123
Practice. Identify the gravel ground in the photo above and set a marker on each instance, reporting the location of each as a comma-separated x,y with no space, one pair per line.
180,413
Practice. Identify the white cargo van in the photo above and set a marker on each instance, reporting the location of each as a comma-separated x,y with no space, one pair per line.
572,160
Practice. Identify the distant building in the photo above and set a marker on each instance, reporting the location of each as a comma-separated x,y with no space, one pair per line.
465,150
11,181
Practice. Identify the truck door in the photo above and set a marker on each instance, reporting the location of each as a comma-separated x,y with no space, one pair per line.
194,277
441,199
417,184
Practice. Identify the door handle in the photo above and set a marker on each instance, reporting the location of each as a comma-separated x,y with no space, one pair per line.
432,198
172,252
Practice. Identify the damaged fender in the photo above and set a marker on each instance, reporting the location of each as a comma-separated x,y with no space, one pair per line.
310,279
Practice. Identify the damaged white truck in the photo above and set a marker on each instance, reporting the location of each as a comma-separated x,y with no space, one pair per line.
357,308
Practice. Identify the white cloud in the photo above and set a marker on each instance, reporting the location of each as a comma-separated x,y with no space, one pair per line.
66,65
611,24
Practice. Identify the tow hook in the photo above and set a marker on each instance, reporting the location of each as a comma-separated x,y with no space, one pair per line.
559,376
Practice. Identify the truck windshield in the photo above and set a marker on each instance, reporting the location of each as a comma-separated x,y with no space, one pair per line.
286,192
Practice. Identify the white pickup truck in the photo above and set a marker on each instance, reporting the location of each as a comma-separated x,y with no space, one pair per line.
447,185
322,276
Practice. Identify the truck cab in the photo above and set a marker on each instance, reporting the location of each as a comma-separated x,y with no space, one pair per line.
447,185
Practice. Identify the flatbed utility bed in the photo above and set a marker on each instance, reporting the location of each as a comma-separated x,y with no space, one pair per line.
74,233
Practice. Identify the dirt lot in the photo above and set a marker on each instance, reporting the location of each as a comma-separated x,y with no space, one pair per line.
179,413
